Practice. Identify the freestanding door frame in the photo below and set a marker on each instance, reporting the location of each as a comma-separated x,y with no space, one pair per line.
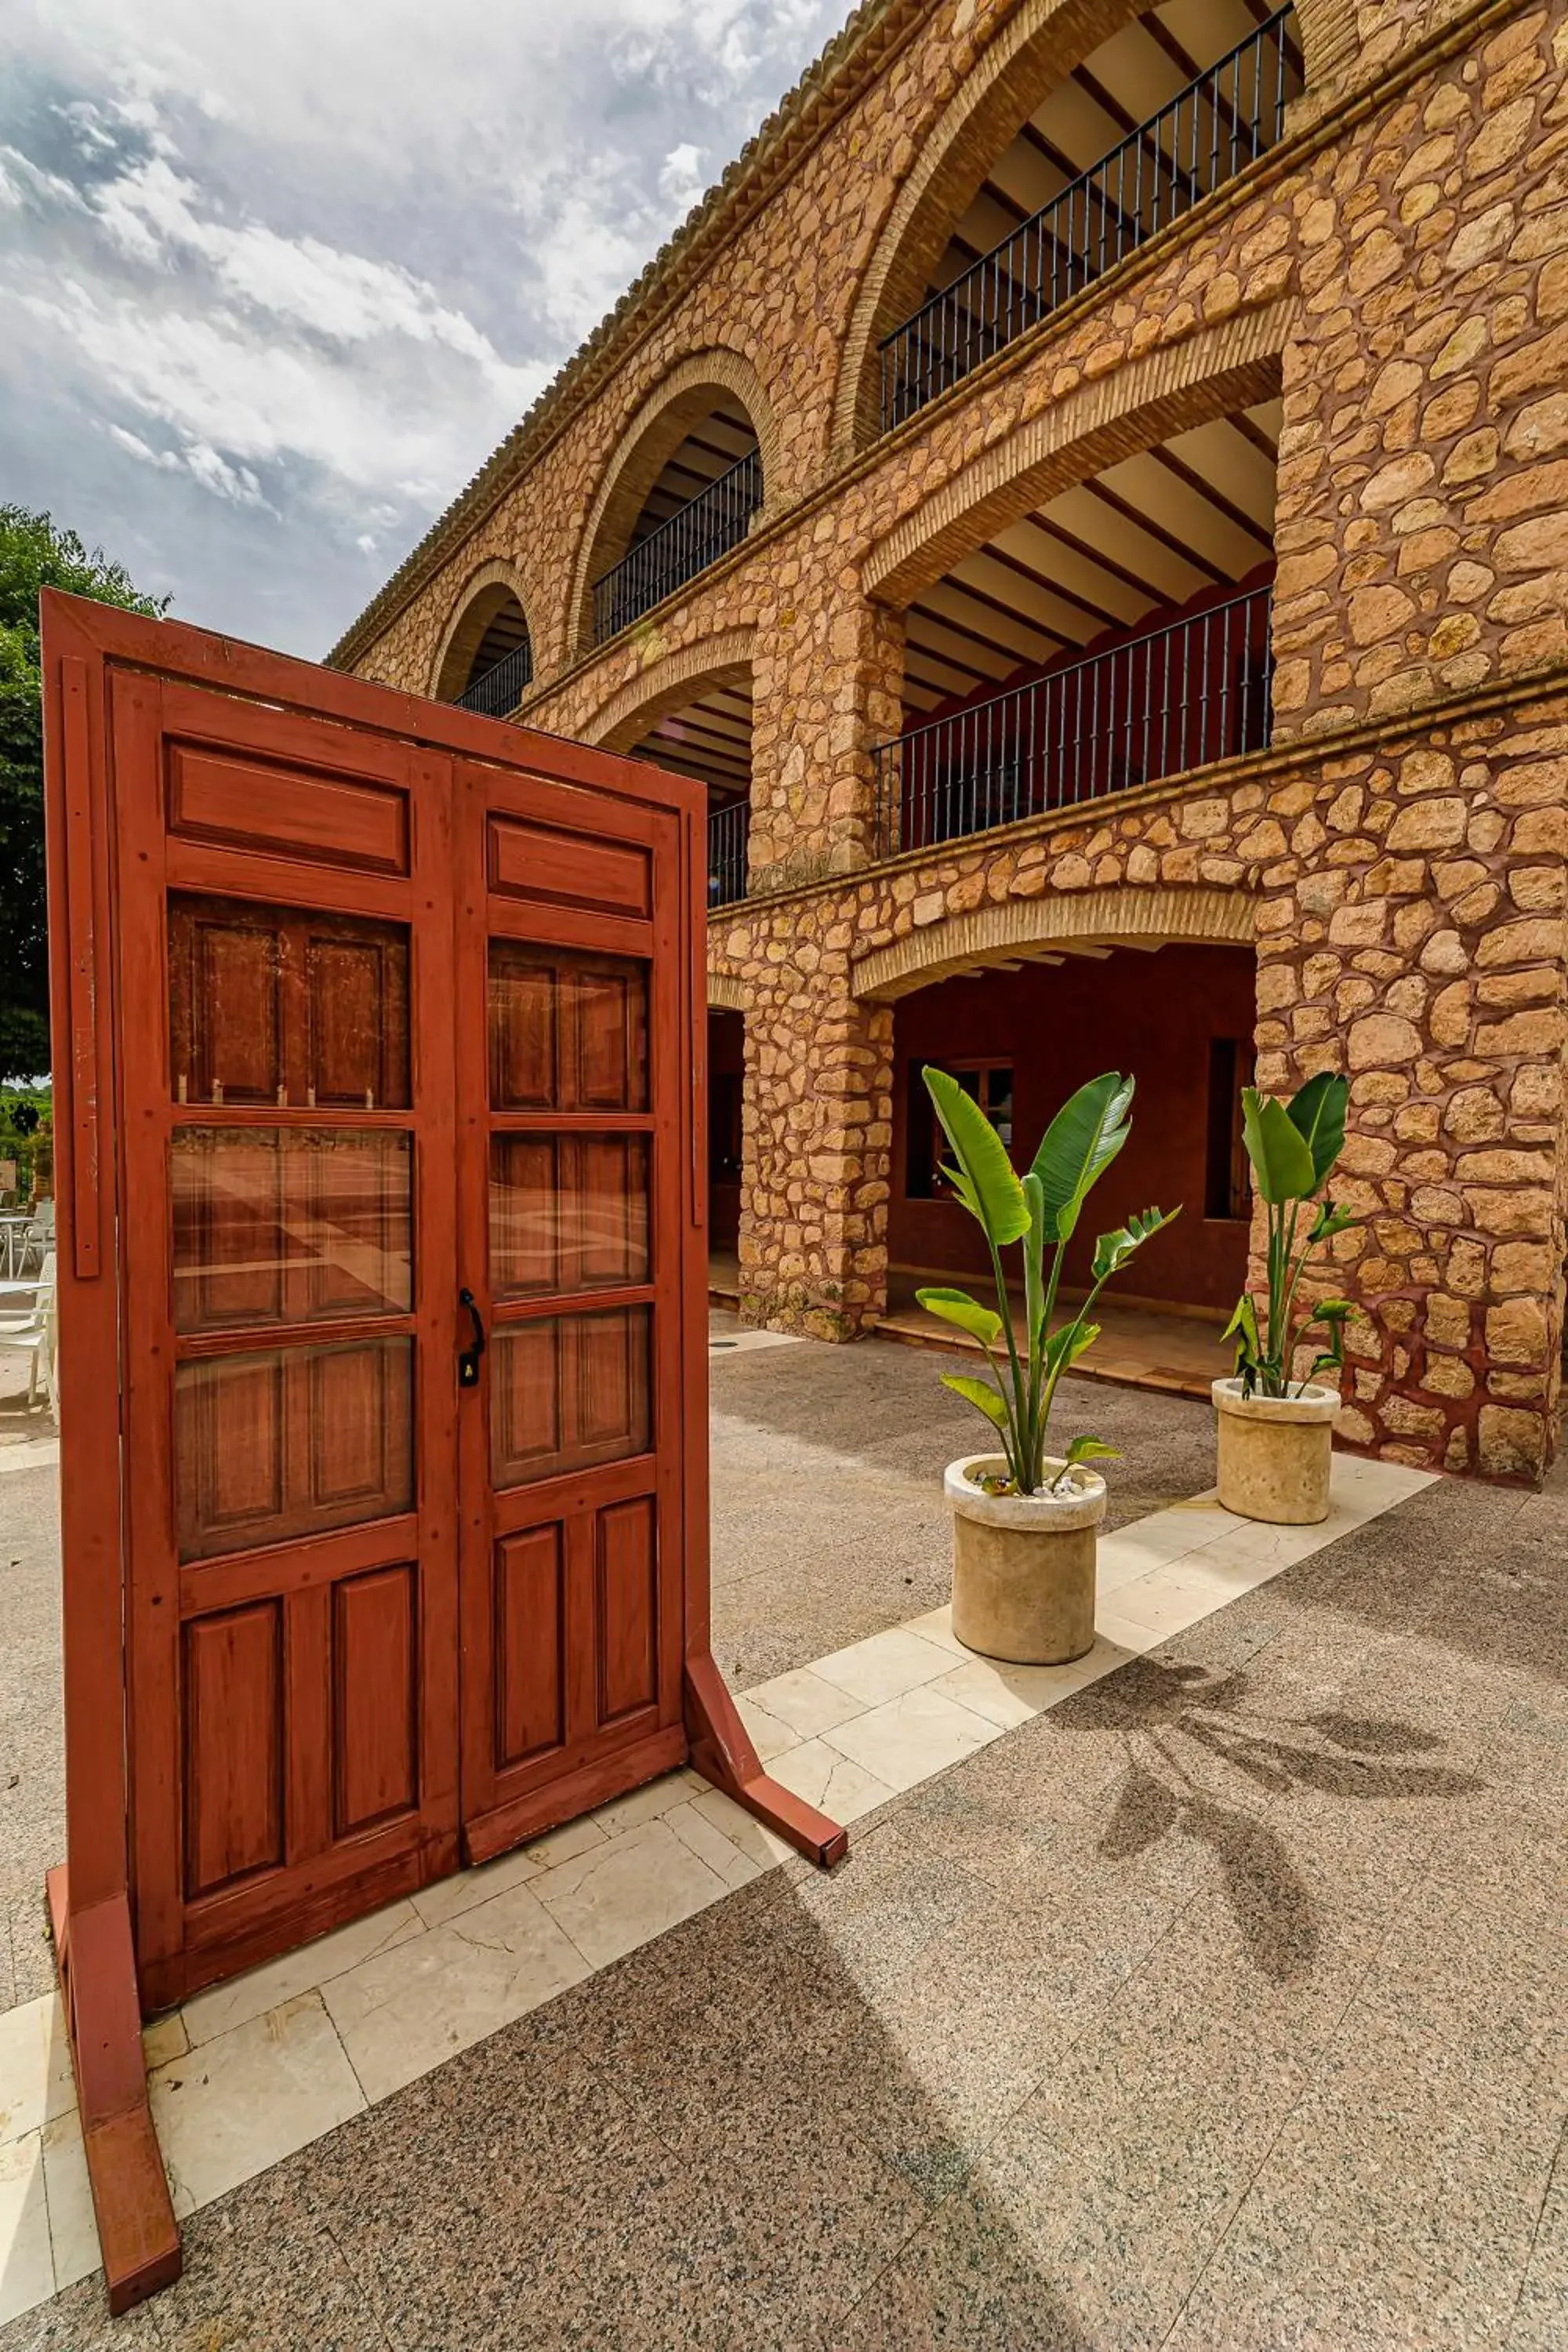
99,804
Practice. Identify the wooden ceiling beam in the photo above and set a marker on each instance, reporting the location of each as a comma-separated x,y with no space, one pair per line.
1064,595
1156,531
1205,488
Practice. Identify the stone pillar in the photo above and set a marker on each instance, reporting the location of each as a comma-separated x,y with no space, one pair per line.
817,1132
827,686
1417,942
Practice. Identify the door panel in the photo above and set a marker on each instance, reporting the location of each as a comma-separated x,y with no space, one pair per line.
571,1242
290,1327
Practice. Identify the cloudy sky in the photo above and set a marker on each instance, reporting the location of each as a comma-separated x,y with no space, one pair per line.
276,275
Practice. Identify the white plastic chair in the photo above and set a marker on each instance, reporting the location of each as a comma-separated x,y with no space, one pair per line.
39,1240
34,1334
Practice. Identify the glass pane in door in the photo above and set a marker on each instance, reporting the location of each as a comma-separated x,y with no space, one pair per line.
286,1005
568,1213
567,1031
569,1392
279,1443
276,1224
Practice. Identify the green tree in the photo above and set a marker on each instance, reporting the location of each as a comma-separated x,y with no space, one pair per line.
34,554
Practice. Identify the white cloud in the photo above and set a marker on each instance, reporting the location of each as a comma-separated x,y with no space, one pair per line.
291,270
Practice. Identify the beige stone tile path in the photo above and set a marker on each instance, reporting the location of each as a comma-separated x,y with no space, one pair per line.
246,2075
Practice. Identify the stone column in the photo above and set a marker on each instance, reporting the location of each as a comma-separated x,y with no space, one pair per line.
827,686
818,1131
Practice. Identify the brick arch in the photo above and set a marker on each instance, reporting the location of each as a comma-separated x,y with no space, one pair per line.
624,717
474,608
726,994
1024,926
1207,374
652,438
1029,57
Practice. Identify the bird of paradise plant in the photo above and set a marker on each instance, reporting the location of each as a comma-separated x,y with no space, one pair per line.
1293,1148
1038,1210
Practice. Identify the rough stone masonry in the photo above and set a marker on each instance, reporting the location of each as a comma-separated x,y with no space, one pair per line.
1396,269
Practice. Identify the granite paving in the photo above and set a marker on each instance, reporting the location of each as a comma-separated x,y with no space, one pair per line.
1221,2008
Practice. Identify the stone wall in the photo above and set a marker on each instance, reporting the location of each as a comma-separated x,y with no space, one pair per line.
1407,896
1397,271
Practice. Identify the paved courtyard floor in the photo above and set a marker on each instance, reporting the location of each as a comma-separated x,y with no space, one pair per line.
1208,1994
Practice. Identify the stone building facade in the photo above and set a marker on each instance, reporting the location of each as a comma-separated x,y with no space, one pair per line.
1373,306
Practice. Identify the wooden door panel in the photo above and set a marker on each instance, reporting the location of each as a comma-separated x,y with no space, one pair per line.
571,1236
290,1191
530,1598
567,1213
568,1031
375,1698
217,795
233,1707
547,865
626,1597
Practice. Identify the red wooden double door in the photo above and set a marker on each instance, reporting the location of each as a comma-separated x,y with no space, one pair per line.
403,1062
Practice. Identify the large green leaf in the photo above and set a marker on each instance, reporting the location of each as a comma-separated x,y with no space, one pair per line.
991,1191
1111,1251
1280,1155
976,1393
1329,1222
1079,1145
1069,1341
1034,1264
956,1307
1318,1115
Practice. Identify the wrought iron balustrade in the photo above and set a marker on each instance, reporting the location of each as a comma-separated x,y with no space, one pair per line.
1169,700
727,831
500,688
1223,120
692,538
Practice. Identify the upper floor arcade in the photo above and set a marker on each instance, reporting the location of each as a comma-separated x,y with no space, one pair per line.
1078,140
1049,205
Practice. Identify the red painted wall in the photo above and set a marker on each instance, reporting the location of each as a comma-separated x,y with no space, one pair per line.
1152,1014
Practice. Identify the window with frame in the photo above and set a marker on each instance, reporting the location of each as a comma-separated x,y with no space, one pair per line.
988,1083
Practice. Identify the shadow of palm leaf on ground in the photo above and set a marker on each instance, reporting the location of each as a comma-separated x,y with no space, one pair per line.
1185,1716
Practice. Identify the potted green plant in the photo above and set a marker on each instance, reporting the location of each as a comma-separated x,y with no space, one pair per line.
1275,1426
1025,1520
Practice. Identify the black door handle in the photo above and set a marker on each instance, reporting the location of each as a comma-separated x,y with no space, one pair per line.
468,1358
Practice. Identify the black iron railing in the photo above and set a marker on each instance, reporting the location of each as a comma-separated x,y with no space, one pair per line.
1221,121
694,536
727,831
1169,700
501,687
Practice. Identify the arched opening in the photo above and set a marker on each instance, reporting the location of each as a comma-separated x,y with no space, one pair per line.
705,732
685,495
1039,180
487,662
1019,1035
1110,633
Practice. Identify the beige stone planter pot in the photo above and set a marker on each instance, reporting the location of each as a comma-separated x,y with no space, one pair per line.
1022,1566
1275,1454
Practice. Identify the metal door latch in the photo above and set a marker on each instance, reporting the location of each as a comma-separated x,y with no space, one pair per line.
468,1358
